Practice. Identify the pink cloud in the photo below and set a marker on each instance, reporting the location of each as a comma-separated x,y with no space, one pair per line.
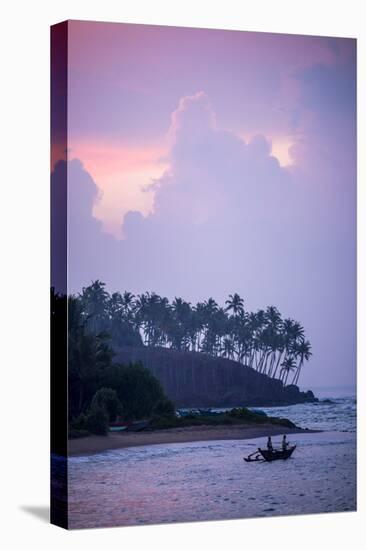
122,172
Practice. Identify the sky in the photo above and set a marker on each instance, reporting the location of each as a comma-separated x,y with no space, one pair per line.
204,162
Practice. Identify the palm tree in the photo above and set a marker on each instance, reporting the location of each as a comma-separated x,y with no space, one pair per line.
235,304
243,336
210,307
297,332
273,328
147,306
115,315
200,315
227,348
303,351
128,303
218,326
88,355
288,365
258,322
94,299
155,318
208,311
181,333
260,340
273,317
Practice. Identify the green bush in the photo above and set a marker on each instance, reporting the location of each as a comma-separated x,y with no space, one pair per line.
164,407
136,387
235,417
108,399
241,412
97,420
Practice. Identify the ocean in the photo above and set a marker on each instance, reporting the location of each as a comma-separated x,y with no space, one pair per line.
335,411
210,481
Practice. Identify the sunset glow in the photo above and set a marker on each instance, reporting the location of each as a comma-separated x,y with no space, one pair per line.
123,174
206,162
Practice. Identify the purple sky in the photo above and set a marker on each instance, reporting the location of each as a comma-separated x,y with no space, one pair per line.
205,162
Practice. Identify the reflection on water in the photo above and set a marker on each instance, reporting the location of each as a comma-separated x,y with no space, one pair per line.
210,481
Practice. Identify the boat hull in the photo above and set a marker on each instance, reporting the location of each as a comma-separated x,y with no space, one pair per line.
270,456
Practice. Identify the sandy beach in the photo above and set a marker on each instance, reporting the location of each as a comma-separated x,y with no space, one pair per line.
96,444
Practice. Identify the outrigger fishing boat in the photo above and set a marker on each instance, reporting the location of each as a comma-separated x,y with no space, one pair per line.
264,455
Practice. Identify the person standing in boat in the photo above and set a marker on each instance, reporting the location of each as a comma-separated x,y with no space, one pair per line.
284,443
269,444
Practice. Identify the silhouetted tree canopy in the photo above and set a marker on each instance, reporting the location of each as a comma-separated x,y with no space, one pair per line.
99,322
262,340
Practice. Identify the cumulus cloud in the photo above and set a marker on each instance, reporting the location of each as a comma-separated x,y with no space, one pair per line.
212,171
226,217
91,253
221,201
324,150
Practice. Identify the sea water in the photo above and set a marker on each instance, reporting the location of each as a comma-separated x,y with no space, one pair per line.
210,481
329,414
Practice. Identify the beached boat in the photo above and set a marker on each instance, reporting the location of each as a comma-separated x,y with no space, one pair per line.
269,456
117,428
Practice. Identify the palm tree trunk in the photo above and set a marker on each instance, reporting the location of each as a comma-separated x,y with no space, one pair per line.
297,373
273,355
265,362
277,364
262,360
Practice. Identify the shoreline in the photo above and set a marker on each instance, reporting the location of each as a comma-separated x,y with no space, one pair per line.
96,444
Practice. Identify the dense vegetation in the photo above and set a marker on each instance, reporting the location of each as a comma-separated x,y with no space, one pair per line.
261,340
232,417
98,391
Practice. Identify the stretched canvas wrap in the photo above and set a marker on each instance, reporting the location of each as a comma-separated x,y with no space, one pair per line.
203,300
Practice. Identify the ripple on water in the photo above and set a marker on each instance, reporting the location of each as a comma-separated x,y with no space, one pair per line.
189,482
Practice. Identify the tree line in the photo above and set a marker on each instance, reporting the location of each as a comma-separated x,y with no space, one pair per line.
100,390
261,340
